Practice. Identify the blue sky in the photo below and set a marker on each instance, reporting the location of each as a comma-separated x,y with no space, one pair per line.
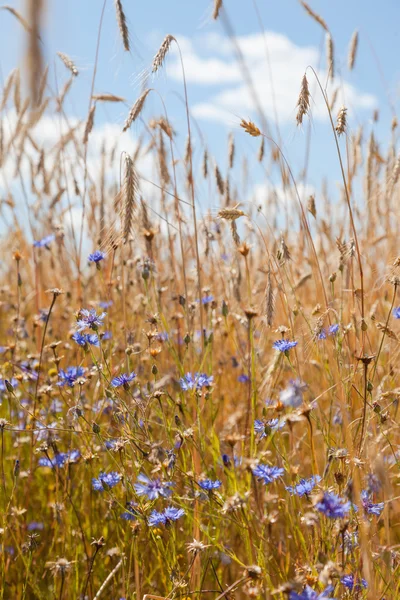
216,94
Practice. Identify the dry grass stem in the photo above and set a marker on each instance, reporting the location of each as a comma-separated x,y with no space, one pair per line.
314,15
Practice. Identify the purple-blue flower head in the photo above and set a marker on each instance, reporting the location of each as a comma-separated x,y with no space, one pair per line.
196,381
309,594
305,486
44,242
130,512
267,474
284,345
123,379
60,459
209,484
322,335
293,394
69,376
207,299
106,481
332,506
89,319
351,582
86,339
370,507
333,329
263,428
96,256
166,517
152,488
396,312
243,378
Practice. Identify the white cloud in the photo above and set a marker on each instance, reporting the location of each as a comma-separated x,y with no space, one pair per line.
211,61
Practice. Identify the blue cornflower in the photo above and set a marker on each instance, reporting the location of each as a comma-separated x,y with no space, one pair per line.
198,381
243,378
267,473
106,481
60,459
3,387
207,299
152,488
96,256
162,336
373,483
209,484
35,526
305,486
3,349
43,314
309,594
369,507
396,312
293,394
263,428
123,379
107,335
322,335
105,303
86,339
69,376
44,242
130,512
90,319
166,517
333,329
284,345
351,583
333,506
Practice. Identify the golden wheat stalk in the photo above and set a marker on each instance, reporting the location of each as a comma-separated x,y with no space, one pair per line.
217,8
303,103
250,128
136,109
159,58
68,63
129,199
314,15
122,26
107,98
89,124
353,50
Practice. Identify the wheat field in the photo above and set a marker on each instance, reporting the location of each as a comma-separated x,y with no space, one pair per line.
195,403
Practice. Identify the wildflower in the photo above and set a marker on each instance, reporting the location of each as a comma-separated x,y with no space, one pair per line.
243,378
209,484
198,381
89,319
86,339
60,459
332,506
284,345
351,582
166,517
207,299
152,488
369,507
305,486
105,481
130,513
373,483
263,428
69,376
333,329
309,594
96,256
396,312
43,315
11,382
105,303
107,335
196,547
123,379
266,473
44,242
293,394
322,335
35,525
